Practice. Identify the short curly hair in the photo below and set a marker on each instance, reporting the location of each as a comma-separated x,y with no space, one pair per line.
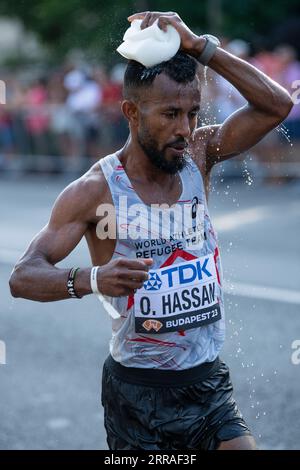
182,68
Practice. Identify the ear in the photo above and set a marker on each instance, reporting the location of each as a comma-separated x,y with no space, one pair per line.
130,111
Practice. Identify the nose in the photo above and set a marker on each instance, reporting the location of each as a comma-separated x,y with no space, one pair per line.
183,127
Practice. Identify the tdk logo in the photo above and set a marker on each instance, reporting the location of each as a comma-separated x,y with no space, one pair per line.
188,272
153,282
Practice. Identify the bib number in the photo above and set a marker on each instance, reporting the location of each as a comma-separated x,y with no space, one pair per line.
178,297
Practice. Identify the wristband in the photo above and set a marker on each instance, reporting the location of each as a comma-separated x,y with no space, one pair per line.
209,49
94,283
70,284
94,286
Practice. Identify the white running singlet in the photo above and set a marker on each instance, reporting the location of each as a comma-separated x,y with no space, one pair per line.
176,320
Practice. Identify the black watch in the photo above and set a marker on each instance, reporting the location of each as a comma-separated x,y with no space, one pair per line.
209,49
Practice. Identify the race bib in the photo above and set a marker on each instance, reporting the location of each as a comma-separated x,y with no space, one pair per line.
178,297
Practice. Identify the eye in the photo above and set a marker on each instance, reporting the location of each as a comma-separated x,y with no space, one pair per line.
193,114
170,114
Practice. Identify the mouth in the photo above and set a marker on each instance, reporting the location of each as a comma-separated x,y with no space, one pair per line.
178,149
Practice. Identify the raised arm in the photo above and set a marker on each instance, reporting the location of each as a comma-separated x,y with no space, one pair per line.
268,103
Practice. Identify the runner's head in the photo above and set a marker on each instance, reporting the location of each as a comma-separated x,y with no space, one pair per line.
161,105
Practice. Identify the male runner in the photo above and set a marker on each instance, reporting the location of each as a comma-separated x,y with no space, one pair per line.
164,386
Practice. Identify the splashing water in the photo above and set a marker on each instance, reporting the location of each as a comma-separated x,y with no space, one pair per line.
285,133
247,175
205,75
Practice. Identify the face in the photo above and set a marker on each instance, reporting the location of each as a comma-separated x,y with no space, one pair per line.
167,119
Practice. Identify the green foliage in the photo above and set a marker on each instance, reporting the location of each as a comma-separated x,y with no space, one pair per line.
93,25
97,26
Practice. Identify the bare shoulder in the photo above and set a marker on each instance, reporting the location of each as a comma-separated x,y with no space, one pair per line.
206,133
199,146
80,199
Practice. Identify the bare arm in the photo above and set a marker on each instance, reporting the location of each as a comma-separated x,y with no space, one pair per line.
36,277
268,103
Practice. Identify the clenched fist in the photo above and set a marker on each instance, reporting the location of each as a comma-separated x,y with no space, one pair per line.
122,276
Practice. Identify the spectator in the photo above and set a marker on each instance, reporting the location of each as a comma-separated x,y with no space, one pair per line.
83,101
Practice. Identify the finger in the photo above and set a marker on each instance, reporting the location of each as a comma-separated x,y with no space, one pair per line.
171,19
133,285
138,275
163,23
147,261
137,16
125,292
128,274
146,21
141,264
150,19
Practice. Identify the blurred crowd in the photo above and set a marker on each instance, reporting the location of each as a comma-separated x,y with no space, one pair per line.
278,154
72,114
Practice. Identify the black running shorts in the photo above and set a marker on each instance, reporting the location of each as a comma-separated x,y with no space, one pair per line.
169,410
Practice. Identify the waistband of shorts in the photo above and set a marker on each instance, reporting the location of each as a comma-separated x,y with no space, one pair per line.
162,377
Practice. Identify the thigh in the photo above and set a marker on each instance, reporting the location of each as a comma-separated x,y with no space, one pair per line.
239,443
225,422
128,414
199,417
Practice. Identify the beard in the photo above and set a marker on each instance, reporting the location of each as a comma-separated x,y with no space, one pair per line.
157,156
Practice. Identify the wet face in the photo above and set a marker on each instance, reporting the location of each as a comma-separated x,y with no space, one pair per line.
167,119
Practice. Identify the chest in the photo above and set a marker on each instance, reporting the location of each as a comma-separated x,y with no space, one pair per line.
149,193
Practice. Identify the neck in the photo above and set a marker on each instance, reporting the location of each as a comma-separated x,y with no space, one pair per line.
139,167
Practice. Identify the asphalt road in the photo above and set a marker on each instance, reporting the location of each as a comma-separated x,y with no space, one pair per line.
50,385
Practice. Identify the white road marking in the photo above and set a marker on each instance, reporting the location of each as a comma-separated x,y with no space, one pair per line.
222,223
9,256
58,423
231,221
2,353
263,292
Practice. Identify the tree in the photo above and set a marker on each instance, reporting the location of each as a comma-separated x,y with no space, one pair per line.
97,26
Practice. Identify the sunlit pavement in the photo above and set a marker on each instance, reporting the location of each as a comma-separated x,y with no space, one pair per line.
50,386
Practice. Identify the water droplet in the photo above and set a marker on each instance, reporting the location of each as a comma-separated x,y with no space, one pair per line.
205,75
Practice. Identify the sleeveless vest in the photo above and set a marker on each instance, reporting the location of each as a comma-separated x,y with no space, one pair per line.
176,320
